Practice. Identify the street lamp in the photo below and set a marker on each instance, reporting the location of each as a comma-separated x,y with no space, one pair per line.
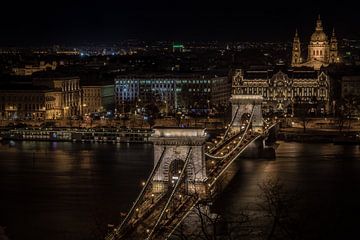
66,111
166,108
84,106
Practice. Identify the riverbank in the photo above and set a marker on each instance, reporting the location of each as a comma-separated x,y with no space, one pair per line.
104,135
318,135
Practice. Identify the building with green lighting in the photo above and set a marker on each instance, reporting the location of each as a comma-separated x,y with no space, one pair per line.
178,47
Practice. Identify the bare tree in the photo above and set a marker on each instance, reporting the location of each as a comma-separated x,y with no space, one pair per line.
277,205
349,106
203,224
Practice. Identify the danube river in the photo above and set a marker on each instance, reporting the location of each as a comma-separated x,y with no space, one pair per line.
68,190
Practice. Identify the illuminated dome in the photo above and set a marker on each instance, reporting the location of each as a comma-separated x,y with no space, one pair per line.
319,35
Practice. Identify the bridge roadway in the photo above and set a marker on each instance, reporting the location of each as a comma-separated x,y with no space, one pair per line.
142,223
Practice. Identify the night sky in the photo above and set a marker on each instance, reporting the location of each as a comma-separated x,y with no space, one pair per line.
106,21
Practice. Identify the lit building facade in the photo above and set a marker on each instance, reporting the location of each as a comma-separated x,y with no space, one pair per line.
40,100
29,69
97,98
28,103
178,91
281,89
65,95
321,51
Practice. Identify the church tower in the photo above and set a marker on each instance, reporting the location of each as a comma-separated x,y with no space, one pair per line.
321,50
296,51
319,46
334,57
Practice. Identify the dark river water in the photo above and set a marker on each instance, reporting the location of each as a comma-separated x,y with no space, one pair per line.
67,190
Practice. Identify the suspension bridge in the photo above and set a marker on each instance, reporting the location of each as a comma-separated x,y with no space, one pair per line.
188,170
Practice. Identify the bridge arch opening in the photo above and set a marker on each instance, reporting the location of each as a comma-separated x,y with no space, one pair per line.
175,168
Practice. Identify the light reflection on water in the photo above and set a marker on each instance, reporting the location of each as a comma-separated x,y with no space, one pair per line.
327,177
58,190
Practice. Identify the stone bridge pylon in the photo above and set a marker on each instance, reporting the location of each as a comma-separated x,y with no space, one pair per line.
176,148
244,105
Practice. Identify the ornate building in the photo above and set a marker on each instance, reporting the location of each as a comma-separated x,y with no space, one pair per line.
282,88
321,51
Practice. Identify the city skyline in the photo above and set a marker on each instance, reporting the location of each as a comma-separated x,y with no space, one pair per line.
111,21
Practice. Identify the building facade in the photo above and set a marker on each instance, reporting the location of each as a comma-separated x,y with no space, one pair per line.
177,91
97,98
321,51
281,89
66,94
28,103
29,69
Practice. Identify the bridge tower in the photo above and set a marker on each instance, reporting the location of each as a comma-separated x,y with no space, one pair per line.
244,104
176,148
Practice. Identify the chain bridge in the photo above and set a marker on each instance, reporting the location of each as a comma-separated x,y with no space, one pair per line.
188,169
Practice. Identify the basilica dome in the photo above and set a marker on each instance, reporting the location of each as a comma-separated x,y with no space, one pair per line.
319,36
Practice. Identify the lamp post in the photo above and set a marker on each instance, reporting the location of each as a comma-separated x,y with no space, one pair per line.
84,108
166,108
66,112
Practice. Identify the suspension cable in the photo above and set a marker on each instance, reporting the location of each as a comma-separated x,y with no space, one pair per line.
142,193
172,194
228,165
227,130
238,144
